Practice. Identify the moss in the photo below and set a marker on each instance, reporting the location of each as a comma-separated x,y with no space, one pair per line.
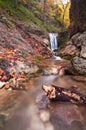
69,57
29,15
38,59
50,28
20,12
60,54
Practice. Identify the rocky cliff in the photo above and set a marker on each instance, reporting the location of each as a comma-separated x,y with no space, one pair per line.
77,16
78,33
76,46
20,50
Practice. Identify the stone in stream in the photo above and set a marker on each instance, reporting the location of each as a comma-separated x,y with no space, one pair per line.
56,70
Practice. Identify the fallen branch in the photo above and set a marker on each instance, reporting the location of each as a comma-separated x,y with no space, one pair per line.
71,94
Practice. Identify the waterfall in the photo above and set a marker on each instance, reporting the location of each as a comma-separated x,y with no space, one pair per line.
53,41
54,45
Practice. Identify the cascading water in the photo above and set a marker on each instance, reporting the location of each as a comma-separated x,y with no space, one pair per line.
54,44
53,41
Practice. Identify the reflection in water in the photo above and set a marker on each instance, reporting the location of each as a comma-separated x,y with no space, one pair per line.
36,112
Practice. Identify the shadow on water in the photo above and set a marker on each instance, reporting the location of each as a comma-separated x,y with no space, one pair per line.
36,112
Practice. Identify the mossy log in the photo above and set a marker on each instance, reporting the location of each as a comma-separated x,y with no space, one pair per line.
72,94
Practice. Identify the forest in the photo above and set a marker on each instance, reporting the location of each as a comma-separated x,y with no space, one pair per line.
42,65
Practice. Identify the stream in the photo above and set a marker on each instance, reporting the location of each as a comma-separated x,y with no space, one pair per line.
31,109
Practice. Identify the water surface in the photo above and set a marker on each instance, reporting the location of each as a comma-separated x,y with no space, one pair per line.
31,109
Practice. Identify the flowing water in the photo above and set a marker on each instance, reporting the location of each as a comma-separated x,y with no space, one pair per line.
31,109
54,44
53,41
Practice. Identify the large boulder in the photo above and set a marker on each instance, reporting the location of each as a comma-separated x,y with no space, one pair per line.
70,49
79,66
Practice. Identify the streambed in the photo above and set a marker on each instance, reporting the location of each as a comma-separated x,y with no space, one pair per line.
31,109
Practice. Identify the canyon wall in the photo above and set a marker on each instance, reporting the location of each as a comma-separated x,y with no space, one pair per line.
77,31
77,16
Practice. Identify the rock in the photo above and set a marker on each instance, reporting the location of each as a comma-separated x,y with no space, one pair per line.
61,115
26,67
65,114
69,50
19,48
79,65
75,49
46,41
50,71
75,40
83,51
83,47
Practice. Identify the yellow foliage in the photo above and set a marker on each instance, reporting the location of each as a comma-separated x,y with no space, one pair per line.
66,15
62,12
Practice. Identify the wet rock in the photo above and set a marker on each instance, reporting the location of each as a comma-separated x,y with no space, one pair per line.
63,116
42,101
66,113
50,71
77,125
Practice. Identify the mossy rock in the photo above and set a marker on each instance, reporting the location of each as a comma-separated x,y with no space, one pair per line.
68,57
